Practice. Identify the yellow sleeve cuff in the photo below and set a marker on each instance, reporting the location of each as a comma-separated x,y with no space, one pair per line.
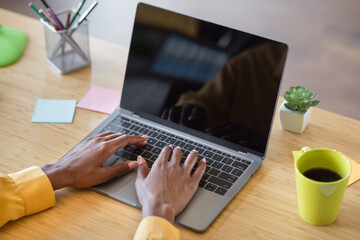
153,227
34,188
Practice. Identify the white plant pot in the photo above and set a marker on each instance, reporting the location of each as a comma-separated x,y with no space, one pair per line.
292,120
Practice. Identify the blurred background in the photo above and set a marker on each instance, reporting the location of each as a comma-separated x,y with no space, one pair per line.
323,36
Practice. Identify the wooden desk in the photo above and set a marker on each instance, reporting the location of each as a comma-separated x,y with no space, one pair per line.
266,208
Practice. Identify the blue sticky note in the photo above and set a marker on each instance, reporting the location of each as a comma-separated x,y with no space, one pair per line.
54,111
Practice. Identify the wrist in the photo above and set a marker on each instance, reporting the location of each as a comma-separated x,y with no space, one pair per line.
57,176
160,210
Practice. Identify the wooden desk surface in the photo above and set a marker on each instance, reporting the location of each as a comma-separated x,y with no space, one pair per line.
266,208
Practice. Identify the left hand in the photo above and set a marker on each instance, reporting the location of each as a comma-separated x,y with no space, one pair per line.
84,167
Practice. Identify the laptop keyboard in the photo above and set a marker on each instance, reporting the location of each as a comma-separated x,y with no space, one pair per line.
222,169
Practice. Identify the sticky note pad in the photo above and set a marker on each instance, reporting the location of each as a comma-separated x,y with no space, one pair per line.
100,100
54,111
355,168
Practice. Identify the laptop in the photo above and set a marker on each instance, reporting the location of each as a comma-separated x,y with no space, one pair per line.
198,85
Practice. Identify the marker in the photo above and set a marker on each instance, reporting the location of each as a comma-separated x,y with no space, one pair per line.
36,10
47,19
52,14
80,5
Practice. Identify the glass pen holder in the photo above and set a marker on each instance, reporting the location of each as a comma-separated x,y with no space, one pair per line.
67,50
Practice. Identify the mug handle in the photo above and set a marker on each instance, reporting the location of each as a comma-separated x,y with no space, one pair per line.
305,149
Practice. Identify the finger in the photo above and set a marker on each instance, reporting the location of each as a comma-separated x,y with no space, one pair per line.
196,113
176,156
103,134
119,169
143,169
112,136
164,154
199,172
191,160
174,114
124,140
185,113
165,113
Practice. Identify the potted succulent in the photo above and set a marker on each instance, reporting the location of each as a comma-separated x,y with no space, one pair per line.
296,109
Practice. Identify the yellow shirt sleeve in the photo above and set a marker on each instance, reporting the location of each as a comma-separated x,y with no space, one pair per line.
24,193
156,228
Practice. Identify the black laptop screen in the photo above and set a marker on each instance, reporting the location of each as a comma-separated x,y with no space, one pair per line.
202,78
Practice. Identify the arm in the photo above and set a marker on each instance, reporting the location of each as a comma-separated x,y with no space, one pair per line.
31,190
165,191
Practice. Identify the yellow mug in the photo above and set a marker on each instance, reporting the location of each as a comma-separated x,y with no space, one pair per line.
319,200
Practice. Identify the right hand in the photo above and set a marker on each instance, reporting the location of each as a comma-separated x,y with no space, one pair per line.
169,187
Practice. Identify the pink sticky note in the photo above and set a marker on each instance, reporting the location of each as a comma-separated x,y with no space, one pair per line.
100,100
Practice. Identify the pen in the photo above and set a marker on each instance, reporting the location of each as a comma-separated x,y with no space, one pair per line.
68,19
86,13
51,12
81,4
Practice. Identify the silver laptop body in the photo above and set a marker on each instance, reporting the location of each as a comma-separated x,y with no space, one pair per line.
222,46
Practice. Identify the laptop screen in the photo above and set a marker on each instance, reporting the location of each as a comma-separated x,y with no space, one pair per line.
208,80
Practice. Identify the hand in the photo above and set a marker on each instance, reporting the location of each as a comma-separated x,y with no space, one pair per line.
83,166
187,115
169,187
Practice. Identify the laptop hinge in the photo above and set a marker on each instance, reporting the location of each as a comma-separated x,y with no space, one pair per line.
253,156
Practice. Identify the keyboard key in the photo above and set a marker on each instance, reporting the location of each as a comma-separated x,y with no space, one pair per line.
240,165
227,169
121,153
126,125
151,141
189,147
160,144
228,177
131,157
220,191
246,162
152,134
227,161
237,172
217,165
202,183
161,137
153,158
217,157
143,131
206,176
156,150
214,171
208,154
147,147
135,128
138,151
170,140
210,187
220,182
179,143
129,148
146,155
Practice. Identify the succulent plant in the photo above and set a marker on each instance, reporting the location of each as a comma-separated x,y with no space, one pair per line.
299,99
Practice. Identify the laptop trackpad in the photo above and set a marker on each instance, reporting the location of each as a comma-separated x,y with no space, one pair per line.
121,188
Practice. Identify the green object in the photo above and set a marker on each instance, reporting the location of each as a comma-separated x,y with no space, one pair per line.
299,99
12,45
319,202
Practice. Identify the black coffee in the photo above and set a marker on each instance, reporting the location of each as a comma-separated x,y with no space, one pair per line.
322,175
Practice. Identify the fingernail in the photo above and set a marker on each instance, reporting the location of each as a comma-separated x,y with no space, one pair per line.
194,150
144,136
178,147
204,160
171,146
140,159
